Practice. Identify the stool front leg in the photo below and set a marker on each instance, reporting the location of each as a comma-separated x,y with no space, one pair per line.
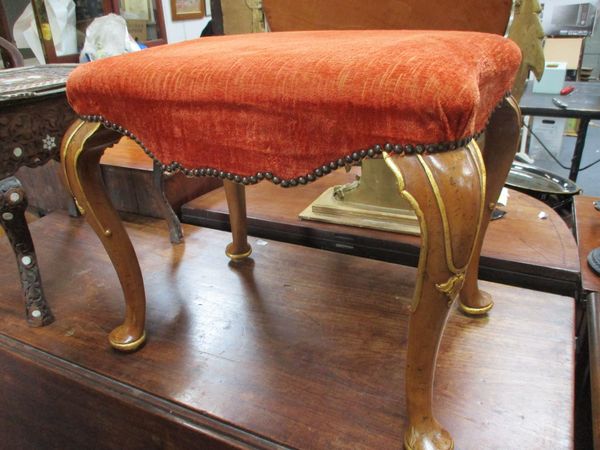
501,145
446,190
81,150
236,202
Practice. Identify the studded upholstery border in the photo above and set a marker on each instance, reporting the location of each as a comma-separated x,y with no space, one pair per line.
372,152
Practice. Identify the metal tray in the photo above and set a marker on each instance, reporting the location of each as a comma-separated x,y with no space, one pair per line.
531,178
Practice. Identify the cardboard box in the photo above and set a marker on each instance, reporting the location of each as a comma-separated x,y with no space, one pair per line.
551,131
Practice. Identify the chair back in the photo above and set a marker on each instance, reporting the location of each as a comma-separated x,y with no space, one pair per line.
491,16
11,55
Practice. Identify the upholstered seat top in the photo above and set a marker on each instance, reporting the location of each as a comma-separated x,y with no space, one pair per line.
290,103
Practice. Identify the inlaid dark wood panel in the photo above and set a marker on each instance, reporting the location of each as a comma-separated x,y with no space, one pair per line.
294,347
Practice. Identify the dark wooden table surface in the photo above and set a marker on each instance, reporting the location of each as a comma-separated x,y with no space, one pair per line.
295,347
587,220
519,249
583,103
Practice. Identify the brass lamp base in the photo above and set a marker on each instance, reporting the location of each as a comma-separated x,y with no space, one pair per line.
369,202
326,208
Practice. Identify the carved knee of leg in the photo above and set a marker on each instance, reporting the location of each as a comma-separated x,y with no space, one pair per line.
446,190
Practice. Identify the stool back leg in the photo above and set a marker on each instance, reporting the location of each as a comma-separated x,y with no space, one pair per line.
501,145
158,180
81,150
446,190
236,202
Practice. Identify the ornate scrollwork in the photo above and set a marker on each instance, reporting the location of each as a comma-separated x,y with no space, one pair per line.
452,287
30,134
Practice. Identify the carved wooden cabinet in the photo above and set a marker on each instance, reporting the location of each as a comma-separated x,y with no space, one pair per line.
34,115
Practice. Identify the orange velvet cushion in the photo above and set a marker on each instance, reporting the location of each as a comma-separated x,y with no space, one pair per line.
290,103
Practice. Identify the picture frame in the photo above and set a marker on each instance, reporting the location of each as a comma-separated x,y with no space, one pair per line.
135,9
187,9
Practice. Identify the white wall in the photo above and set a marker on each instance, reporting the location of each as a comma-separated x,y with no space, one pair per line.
183,30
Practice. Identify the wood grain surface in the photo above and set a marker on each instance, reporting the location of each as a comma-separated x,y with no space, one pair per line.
127,173
126,153
519,249
45,190
593,328
289,15
587,219
294,346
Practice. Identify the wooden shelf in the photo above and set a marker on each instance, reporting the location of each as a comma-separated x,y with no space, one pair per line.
127,154
295,347
519,249
127,174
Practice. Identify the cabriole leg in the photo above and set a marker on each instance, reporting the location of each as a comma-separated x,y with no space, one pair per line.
236,202
446,190
81,150
13,204
501,145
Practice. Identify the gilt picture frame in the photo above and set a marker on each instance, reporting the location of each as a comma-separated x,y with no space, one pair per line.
187,9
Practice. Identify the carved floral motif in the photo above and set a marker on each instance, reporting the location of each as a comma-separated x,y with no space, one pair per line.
30,132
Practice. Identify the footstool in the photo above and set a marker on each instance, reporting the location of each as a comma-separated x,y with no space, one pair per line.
290,107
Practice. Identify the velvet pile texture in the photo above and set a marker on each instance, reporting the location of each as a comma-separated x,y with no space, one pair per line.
290,102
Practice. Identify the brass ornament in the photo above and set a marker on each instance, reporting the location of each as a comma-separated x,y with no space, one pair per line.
410,439
452,287
237,256
475,311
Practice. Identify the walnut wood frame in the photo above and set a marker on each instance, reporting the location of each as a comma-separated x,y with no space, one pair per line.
452,234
